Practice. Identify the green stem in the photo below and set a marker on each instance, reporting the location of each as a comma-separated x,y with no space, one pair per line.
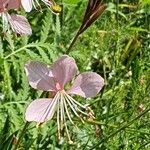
21,135
72,42
94,122
19,50
120,129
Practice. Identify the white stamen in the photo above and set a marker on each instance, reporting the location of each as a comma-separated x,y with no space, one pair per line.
82,112
62,110
75,101
35,5
67,129
76,107
58,123
52,107
62,100
71,106
66,109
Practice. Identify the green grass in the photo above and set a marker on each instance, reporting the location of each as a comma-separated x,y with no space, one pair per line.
116,46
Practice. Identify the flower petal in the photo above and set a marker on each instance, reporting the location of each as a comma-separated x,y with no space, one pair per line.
27,5
12,4
40,76
20,24
41,110
87,84
64,69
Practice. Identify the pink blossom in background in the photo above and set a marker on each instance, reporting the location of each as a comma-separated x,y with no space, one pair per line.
28,4
53,79
18,23
9,4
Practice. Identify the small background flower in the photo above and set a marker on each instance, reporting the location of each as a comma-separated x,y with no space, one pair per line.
19,24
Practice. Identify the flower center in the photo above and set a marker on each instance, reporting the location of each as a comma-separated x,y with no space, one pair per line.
2,10
58,87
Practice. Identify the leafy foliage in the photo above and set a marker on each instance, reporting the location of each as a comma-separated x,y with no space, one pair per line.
116,47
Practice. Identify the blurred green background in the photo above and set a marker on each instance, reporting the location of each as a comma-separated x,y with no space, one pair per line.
116,46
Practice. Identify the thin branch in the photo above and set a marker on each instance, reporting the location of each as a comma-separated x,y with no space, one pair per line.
21,135
120,129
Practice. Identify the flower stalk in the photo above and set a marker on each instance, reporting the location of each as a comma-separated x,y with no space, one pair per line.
94,10
121,128
21,135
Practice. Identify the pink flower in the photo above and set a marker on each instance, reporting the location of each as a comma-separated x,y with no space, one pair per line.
54,79
18,23
27,4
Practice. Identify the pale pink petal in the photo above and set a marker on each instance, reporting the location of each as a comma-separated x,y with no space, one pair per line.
12,4
40,77
3,3
64,69
9,4
87,84
41,110
20,24
27,5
